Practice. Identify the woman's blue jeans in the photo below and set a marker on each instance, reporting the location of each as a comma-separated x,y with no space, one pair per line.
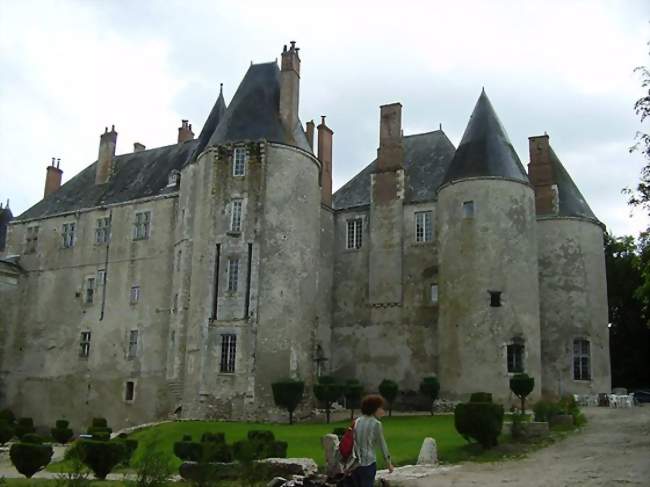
364,476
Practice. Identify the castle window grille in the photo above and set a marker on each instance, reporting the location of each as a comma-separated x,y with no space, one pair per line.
68,235
90,290
233,275
129,391
228,353
235,216
31,239
495,298
581,359
133,344
84,350
515,358
239,162
468,209
134,295
354,233
423,228
142,225
103,231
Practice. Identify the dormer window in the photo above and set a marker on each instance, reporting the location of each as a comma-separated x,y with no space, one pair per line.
174,179
239,161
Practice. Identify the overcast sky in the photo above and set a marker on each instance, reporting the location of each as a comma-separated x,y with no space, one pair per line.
68,69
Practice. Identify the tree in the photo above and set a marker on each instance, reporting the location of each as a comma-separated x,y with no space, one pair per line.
521,385
430,387
287,394
389,389
327,391
352,391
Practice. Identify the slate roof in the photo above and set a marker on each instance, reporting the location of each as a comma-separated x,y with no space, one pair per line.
5,217
426,158
210,125
571,201
485,149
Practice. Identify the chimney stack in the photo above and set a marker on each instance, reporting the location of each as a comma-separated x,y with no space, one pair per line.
138,147
107,143
289,87
325,156
185,132
52,177
309,132
540,173
390,155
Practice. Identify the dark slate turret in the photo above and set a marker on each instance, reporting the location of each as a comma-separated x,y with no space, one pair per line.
571,201
211,124
485,149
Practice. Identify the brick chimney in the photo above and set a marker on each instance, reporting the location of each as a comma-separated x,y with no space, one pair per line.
185,132
325,157
390,155
540,173
309,132
138,147
289,86
52,177
107,143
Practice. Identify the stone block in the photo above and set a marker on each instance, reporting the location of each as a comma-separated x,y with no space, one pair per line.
287,467
330,444
428,452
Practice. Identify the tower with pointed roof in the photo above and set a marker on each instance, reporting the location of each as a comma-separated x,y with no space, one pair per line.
489,307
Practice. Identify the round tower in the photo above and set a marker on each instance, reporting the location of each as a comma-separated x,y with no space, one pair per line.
488,325
572,280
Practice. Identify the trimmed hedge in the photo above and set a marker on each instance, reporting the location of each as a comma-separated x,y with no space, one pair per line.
327,391
61,433
430,387
522,385
212,448
24,426
545,410
129,447
481,421
389,389
287,394
30,455
260,444
352,391
480,397
188,450
101,456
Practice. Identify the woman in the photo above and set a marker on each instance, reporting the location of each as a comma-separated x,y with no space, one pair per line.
368,434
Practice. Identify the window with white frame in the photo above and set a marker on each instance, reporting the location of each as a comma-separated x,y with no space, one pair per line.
235,215
581,359
103,231
133,344
134,295
90,290
354,238
228,353
515,357
129,391
142,225
434,294
239,161
233,274
68,235
423,229
31,239
84,350
101,277
468,209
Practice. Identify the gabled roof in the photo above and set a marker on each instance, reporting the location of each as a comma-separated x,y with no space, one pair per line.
210,125
253,113
571,201
485,149
426,157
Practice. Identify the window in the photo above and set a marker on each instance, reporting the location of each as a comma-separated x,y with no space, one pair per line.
134,296
468,209
31,239
581,359
515,357
173,179
68,235
101,277
233,274
142,225
133,344
239,161
423,230
355,233
129,391
495,298
175,303
103,231
235,215
228,350
84,351
179,254
90,290
434,294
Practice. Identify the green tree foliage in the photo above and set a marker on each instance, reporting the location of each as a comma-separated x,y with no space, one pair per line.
24,426
327,390
481,421
30,455
101,456
287,394
389,389
521,385
352,391
480,397
430,387
61,432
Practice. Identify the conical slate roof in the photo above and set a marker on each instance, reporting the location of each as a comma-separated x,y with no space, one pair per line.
211,123
571,202
485,149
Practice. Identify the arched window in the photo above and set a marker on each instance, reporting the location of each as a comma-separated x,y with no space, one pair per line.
516,356
581,359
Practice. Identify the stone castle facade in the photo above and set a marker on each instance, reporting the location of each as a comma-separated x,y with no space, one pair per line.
186,279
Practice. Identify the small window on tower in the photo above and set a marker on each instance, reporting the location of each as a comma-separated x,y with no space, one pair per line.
434,294
235,215
129,392
468,209
134,295
90,290
354,236
495,298
239,161
515,352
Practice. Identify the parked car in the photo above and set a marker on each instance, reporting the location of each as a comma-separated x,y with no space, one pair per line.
642,395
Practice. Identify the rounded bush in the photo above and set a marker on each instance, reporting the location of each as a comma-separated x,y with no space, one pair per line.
481,421
190,451
215,451
352,391
101,456
129,446
480,397
264,436
213,437
430,387
30,456
327,391
389,389
99,423
7,416
24,426
61,433
62,423
287,394
6,432
521,385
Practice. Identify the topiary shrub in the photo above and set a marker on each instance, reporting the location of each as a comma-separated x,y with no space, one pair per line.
6,432
188,450
352,391
61,433
7,416
287,394
30,455
430,387
263,436
101,456
213,437
327,391
480,397
24,426
99,423
129,446
545,410
389,389
521,385
481,421
214,451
